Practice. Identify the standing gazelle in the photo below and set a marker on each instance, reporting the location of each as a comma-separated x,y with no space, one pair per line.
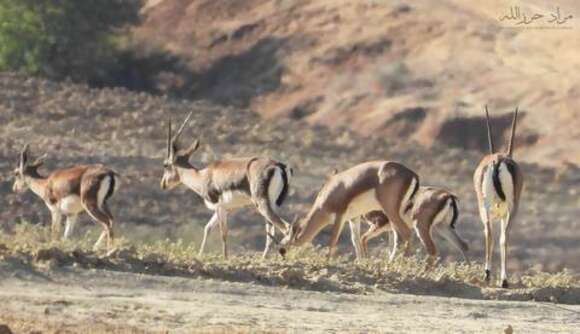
435,209
70,191
498,183
374,185
226,185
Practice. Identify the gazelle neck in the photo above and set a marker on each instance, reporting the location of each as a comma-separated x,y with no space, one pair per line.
37,184
314,222
191,178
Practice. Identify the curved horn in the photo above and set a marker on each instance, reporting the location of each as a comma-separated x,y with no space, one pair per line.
182,127
24,155
489,133
513,134
169,138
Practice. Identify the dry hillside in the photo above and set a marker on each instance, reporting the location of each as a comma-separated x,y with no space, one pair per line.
391,69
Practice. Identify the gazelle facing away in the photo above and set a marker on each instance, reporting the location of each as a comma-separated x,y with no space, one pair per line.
226,185
375,185
70,191
498,183
434,209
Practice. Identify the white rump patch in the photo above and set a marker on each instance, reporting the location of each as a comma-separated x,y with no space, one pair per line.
507,183
494,206
275,187
444,213
362,204
103,190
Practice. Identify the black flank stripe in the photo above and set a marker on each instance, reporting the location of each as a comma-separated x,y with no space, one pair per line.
497,182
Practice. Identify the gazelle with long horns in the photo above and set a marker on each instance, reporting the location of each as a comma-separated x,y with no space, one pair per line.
433,210
70,191
498,182
374,185
226,185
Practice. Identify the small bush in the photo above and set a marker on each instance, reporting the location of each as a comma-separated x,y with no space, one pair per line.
65,38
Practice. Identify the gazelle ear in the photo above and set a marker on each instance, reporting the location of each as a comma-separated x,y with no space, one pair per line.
39,161
189,151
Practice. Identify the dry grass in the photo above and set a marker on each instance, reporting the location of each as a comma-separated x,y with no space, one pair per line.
306,268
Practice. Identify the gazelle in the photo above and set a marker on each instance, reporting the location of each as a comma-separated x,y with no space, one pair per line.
70,191
226,185
374,185
498,183
434,209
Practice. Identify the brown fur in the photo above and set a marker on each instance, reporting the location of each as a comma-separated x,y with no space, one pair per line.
390,182
249,176
494,161
428,204
83,181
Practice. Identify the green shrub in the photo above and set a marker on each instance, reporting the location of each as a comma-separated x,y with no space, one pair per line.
78,39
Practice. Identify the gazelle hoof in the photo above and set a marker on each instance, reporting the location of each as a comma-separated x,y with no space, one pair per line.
504,284
282,252
487,275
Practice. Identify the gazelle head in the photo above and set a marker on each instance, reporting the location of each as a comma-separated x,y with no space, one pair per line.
290,236
176,156
26,168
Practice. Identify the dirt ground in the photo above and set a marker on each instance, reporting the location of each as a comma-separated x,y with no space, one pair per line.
94,301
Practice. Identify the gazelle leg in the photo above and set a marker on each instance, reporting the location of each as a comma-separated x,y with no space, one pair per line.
451,236
270,231
395,245
55,221
426,237
70,225
356,238
336,230
103,217
488,233
504,240
392,209
208,227
99,242
223,223
372,233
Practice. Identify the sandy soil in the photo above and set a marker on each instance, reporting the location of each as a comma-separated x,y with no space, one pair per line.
71,300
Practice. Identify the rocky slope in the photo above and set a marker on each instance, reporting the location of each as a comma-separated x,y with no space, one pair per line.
388,69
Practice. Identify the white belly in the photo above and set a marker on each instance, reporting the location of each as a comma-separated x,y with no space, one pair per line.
362,204
231,200
70,205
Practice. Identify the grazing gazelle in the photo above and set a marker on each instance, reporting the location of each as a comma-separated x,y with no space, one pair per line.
226,185
498,184
70,191
434,209
374,185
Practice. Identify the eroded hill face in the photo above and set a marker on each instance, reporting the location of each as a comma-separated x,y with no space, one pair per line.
75,124
393,70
